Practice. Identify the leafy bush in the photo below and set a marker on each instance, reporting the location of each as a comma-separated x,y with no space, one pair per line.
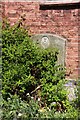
18,56
19,109
30,71
25,66
14,107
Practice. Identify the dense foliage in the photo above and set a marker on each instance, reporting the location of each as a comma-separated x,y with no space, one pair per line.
30,72
14,107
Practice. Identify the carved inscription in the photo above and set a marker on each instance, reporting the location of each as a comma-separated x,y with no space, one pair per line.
45,42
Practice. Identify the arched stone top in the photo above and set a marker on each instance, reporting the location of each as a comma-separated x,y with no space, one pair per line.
52,41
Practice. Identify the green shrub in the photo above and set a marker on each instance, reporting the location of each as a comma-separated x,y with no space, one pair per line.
14,107
25,67
19,109
18,57
30,70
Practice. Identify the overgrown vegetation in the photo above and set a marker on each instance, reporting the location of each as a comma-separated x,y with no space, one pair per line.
33,84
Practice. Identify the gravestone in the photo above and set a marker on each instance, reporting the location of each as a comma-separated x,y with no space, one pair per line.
52,41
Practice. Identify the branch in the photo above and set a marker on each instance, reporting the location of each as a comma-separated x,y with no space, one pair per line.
36,89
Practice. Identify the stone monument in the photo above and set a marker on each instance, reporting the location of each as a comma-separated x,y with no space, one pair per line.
52,41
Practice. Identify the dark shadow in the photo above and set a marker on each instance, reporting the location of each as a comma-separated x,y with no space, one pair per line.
59,6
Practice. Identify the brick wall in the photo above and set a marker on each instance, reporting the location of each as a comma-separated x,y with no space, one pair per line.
62,21
79,42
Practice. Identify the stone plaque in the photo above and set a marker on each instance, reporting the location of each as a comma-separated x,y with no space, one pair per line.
45,42
52,41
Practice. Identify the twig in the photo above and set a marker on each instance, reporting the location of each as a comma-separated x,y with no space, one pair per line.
36,89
